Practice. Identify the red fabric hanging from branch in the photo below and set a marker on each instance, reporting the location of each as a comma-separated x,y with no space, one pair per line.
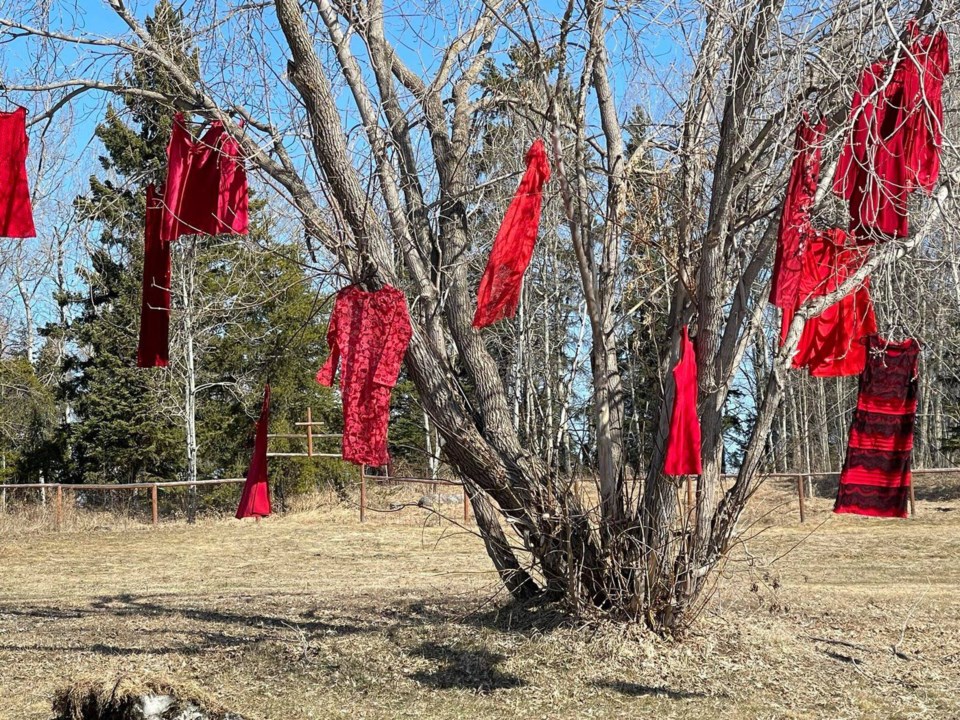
499,293
683,442
153,348
16,214
255,500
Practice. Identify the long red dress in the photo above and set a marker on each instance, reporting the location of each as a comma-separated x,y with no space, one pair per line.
206,190
255,500
795,219
683,442
831,344
876,472
152,350
894,142
368,336
16,213
499,293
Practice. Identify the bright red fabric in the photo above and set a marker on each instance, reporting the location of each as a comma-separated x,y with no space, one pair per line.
16,214
206,189
831,344
368,336
255,500
894,142
683,442
795,219
499,293
152,350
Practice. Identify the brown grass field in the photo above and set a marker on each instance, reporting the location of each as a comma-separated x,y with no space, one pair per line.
313,615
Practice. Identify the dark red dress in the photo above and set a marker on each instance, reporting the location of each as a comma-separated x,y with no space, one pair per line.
831,344
499,293
16,214
255,500
152,350
795,219
206,189
876,473
683,442
368,336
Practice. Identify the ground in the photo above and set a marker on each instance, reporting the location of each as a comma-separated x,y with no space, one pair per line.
313,615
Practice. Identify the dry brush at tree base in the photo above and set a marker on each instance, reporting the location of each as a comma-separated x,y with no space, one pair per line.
402,215
313,615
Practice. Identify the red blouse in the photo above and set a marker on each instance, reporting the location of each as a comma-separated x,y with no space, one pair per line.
368,336
16,214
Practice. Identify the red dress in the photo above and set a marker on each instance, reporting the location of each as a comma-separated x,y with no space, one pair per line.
830,344
206,190
16,214
876,472
255,500
683,442
368,336
894,142
795,220
152,350
499,293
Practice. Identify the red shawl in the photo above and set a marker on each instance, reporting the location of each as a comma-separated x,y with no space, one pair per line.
255,500
499,292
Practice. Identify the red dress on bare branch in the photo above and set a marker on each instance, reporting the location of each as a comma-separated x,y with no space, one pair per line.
206,189
16,214
368,336
876,472
499,293
255,500
683,442
152,350
795,219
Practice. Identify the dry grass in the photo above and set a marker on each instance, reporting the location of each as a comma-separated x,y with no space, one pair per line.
313,615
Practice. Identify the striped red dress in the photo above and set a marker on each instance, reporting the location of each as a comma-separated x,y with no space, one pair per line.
876,473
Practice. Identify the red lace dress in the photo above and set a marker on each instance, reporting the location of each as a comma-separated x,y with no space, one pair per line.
795,220
876,473
16,214
831,344
368,336
206,189
499,293
152,350
683,442
255,500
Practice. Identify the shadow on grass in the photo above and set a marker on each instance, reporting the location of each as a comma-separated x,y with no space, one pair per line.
462,669
638,690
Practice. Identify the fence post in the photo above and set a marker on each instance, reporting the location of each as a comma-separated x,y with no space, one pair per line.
913,501
803,517
466,504
153,505
363,494
59,506
309,432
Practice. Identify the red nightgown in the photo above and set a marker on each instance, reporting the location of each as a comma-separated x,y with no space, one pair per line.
795,220
255,500
16,214
499,292
368,336
206,189
152,350
830,344
683,442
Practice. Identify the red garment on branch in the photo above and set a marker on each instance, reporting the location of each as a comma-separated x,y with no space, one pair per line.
152,350
894,142
876,477
683,442
502,279
831,344
206,190
368,336
16,214
795,219
255,500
